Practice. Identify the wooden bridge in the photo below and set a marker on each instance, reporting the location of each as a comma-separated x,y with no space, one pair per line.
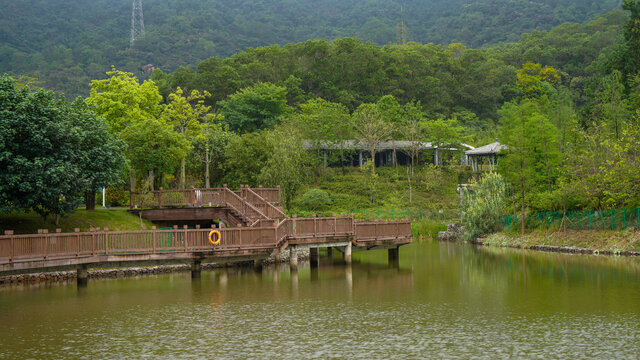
263,230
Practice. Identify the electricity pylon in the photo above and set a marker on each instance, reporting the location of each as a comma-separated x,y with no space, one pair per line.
137,22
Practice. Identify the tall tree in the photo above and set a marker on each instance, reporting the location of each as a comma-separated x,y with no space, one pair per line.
255,108
154,149
443,134
527,133
122,100
371,129
186,119
51,152
288,162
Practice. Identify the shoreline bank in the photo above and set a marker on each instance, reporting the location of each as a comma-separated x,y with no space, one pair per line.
589,242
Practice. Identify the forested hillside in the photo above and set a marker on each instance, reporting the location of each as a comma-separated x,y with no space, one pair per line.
66,43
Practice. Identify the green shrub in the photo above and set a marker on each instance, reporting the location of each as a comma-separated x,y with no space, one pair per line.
482,205
315,200
117,197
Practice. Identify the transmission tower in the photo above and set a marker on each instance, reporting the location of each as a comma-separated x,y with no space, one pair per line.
137,22
401,29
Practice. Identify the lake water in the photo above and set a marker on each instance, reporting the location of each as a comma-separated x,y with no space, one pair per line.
442,301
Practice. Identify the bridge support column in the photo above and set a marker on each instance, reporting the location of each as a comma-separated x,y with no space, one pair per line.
83,276
257,265
196,267
277,258
293,258
347,254
314,256
393,256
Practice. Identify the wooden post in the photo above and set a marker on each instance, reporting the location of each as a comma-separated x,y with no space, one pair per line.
186,234
335,224
153,238
93,241
293,227
45,235
315,226
11,244
106,241
77,231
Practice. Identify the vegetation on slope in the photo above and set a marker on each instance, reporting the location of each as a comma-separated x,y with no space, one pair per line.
66,43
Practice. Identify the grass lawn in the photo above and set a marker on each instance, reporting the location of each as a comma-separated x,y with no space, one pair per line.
115,219
614,240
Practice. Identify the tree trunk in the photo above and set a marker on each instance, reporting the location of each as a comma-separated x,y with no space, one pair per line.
207,162
183,165
151,180
395,156
90,200
522,184
373,159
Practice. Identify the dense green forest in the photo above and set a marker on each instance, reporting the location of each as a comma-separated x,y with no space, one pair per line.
565,102
66,43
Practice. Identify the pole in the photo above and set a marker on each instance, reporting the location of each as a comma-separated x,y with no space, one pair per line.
103,192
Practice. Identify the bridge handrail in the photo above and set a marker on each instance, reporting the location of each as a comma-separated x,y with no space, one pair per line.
236,202
365,230
258,201
175,197
58,245
271,195
104,242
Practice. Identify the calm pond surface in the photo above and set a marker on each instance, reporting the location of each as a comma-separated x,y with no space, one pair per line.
443,301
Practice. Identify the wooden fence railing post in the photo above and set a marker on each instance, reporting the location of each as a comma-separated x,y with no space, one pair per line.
11,244
93,242
186,240
153,239
45,232
77,231
315,226
106,241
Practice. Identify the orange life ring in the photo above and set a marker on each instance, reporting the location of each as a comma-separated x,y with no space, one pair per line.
217,241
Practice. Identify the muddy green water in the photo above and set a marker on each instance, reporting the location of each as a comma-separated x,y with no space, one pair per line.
442,301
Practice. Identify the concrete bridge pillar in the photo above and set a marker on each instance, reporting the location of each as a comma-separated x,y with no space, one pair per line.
83,276
393,255
196,267
257,265
314,257
293,258
347,254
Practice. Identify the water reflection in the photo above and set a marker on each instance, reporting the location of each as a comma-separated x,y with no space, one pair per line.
437,301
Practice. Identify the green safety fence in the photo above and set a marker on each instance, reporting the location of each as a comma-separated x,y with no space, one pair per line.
618,219
414,214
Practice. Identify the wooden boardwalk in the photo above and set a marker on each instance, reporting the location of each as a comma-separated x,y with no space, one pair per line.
265,235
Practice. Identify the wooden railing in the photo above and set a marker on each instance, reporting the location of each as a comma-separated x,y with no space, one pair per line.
320,226
197,197
261,204
272,195
103,242
242,207
382,229
189,197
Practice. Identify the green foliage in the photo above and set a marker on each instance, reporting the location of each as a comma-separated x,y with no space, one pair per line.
482,205
123,101
51,151
371,129
315,200
116,196
245,157
154,148
287,163
255,108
